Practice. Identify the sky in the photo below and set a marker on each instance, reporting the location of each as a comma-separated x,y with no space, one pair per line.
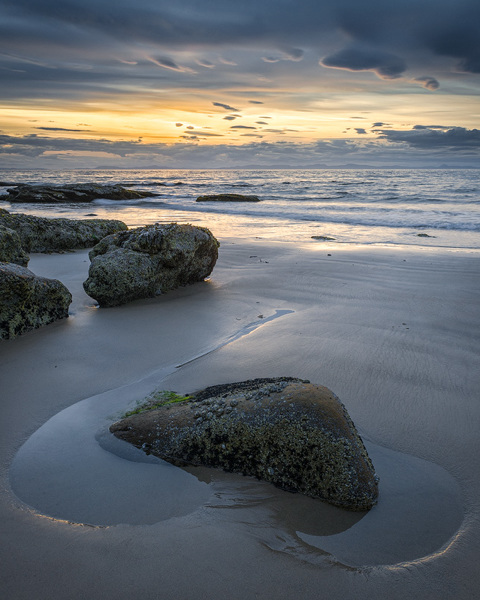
230,84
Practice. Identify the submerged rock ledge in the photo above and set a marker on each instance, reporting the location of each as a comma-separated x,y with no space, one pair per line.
286,431
227,198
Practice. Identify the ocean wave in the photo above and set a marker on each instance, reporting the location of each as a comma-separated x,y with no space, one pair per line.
387,218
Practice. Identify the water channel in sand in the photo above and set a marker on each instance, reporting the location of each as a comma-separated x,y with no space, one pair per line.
73,469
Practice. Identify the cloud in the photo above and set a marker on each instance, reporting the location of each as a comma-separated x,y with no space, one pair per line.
205,63
429,83
292,54
360,130
228,61
384,64
59,129
436,137
30,150
226,106
168,63
242,127
231,117
256,102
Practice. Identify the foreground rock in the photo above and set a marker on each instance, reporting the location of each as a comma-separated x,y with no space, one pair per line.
148,261
227,198
83,192
28,301
11,250
39,234
291,433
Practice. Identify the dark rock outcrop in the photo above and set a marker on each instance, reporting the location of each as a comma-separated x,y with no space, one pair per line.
148,261
28,301
78,192
11,250
289,432
40,234
227,198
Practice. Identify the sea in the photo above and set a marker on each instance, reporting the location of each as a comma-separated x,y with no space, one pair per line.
415,207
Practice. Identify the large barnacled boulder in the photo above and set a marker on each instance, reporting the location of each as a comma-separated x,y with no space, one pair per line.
289,432
28,301
148,261
11,250
78,192
40,234
227,198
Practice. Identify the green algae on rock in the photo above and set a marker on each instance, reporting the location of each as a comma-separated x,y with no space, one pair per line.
286,431
41,234
28,301
148,261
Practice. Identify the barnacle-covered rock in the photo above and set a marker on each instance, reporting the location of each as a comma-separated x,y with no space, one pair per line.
289,432
28,301
41,234
148,261
11,250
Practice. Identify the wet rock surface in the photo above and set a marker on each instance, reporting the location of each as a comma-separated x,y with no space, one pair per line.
28,301
149,261
83,192
289,432
41,234
227,198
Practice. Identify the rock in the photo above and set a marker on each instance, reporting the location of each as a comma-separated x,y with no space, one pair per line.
28,301
11,250
79,192
148,261
227,198
289,432
39,234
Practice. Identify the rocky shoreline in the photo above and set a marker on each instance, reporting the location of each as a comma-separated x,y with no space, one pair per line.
79,192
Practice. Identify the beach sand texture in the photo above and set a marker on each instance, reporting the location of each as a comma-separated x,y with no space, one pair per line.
392,331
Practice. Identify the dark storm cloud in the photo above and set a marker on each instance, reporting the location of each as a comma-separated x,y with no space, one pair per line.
434,138
395,33
384,64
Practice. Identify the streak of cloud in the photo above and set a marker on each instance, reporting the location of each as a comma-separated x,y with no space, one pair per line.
226,106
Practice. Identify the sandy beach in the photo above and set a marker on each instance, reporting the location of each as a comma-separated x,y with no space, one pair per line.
393,331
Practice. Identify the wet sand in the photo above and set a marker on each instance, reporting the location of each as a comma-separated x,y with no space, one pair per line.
392,331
